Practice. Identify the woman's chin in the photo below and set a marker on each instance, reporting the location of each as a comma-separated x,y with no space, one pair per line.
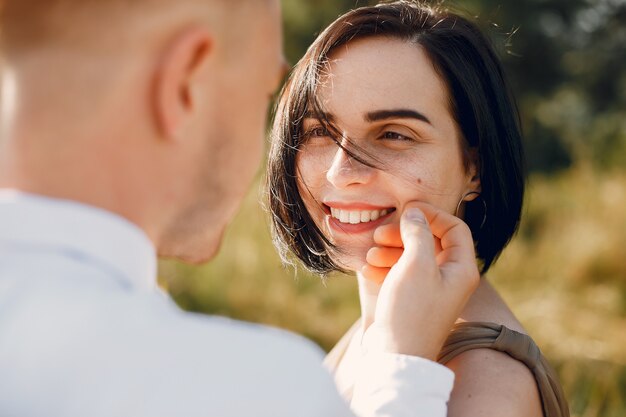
353,262
351,253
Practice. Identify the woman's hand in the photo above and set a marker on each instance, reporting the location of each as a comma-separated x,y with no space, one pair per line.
427,271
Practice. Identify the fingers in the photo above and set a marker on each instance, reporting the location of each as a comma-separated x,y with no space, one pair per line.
379,262
435,238
457,245
388,235
457,259
421,291
416,234
383,257
374,274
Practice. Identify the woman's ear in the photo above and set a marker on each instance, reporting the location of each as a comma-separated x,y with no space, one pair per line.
474,184
178,74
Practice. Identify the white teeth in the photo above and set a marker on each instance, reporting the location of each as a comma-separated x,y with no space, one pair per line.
357,216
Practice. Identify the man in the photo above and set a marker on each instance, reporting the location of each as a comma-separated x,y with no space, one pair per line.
134,127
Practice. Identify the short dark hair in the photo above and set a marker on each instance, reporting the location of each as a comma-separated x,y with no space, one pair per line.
481,103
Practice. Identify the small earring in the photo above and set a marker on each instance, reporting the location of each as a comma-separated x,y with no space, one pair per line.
458,206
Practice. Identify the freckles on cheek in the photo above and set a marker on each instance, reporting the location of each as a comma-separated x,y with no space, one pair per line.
310,171
308,189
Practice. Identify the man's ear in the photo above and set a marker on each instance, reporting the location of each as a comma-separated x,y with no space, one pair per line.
173,91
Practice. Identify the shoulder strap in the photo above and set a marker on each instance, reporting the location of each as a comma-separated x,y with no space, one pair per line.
483,335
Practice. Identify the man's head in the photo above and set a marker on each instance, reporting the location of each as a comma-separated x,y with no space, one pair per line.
154,109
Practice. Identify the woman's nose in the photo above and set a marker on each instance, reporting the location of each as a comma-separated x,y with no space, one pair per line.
345,171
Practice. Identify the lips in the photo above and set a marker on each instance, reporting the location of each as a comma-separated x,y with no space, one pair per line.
356,217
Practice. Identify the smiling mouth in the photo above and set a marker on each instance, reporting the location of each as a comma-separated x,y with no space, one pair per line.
358,216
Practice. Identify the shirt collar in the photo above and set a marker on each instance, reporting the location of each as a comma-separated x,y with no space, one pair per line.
106,238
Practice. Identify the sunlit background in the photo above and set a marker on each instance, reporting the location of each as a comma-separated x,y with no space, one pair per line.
564,275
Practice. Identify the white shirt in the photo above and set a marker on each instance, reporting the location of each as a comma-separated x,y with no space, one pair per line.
85,332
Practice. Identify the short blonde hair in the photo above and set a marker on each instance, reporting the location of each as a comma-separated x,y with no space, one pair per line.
32,24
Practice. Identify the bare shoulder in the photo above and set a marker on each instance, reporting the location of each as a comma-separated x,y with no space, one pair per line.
491,383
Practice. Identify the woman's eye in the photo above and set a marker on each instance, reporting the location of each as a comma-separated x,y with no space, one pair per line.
317,132
395,136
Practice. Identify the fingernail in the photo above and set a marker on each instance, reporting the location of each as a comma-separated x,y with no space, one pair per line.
415,215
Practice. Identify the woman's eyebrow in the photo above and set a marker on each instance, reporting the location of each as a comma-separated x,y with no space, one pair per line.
320,116
378,115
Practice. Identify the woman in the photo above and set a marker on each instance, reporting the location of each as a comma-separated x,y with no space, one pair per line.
397,103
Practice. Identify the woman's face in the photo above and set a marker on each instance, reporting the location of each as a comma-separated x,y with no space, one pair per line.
386,97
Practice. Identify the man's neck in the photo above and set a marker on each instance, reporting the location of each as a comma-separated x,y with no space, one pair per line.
83,180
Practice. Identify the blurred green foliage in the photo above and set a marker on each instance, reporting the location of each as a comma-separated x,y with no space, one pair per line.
565,273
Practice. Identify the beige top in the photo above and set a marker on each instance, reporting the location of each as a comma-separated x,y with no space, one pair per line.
484,335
